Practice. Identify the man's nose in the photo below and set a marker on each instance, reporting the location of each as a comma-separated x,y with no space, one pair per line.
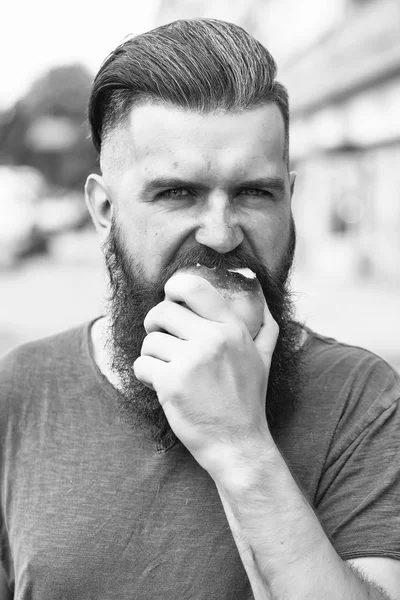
219,227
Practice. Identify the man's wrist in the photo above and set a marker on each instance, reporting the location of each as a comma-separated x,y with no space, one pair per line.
238,467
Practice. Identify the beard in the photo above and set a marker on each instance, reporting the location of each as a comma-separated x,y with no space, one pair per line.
131,296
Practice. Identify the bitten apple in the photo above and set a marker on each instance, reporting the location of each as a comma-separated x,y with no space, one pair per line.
240,287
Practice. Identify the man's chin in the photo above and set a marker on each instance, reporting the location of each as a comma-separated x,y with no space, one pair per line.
140,409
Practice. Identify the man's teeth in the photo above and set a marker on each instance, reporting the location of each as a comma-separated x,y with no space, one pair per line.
245,272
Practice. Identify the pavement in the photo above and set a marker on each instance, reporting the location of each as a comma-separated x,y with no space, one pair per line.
51,293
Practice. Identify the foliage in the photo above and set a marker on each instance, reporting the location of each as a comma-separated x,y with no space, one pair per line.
48,128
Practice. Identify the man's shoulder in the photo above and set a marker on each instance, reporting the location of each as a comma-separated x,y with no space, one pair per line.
339,354
346,390
42,359
51,345
350,371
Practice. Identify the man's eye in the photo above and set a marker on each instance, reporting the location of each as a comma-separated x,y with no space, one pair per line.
175,193
255,192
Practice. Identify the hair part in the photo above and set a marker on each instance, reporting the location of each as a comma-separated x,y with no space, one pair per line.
203,65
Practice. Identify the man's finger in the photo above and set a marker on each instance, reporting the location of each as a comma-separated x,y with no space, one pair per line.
148,370
267,337
200,296
162,346
174,319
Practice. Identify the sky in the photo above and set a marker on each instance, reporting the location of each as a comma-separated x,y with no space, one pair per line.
37,34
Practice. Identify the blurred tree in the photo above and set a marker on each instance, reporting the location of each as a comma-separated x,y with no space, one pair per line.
48,129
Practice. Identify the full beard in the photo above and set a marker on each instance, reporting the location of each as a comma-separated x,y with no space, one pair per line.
131,296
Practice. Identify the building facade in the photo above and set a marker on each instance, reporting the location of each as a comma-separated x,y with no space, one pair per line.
345,144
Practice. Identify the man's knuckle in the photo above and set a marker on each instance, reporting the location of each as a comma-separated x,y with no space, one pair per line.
147,343
239,331
195,284
149,318
137,366
217,339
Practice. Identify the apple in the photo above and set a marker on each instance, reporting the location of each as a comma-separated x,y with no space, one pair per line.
240,287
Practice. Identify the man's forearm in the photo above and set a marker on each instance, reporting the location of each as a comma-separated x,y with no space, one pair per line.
282,545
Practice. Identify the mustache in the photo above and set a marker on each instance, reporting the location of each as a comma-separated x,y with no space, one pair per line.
238,258
208,257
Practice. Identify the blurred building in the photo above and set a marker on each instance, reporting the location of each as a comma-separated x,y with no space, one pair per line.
345,143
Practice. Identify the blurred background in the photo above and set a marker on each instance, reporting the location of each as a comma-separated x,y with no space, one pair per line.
340,60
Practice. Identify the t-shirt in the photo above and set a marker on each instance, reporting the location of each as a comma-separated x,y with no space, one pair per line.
91,510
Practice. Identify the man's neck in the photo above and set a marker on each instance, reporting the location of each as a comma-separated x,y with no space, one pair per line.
99,333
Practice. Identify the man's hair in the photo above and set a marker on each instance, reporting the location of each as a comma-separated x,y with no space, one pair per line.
202,65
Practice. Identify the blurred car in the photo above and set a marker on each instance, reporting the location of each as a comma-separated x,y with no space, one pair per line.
60,212
20,189
33,214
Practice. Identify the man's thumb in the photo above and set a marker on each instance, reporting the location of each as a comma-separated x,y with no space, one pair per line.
267,337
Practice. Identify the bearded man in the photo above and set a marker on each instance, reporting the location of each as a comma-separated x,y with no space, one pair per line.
162,450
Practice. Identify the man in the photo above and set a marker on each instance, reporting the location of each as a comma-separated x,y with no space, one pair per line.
159,451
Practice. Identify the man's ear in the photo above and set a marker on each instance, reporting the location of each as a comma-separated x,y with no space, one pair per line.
292,180
99,204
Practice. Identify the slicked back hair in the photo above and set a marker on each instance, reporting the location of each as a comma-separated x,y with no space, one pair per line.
203,65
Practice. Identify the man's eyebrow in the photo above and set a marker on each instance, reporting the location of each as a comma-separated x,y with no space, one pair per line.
273,183
168,182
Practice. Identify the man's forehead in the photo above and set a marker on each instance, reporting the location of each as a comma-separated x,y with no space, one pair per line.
155,126
163,133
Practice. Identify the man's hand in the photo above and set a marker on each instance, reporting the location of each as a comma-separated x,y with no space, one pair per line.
211,379
210,376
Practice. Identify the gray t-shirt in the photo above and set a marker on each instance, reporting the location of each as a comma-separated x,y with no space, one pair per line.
90,510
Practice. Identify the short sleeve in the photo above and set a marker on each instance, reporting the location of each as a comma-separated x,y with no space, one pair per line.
358,494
